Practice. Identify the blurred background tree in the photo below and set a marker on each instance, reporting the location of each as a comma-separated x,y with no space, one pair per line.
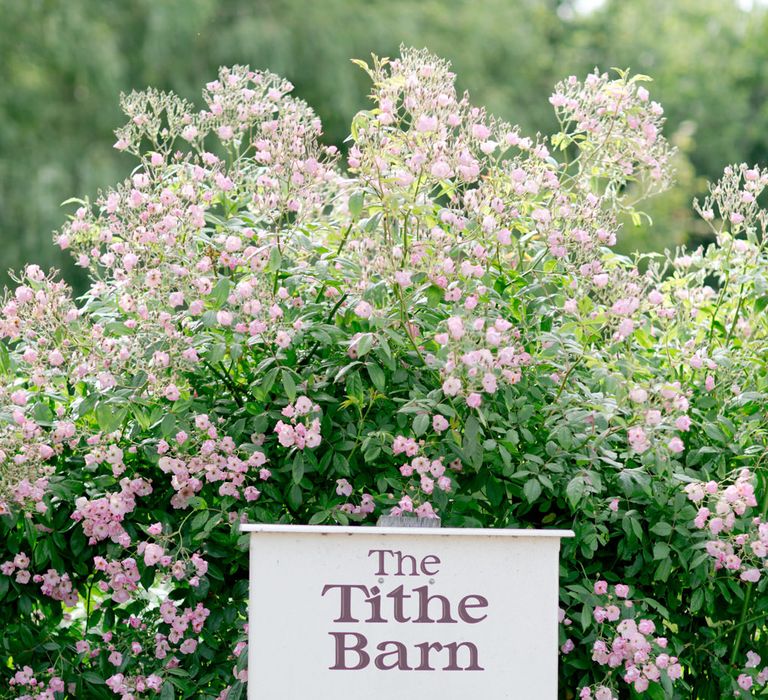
66,61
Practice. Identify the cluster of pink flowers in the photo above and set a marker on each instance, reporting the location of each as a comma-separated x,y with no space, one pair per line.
431,474
30,687
30,496
663,411
303,428
123,578
750,676
102,518
477,352
426,133
366,505
207,458
641,657
39,310
127,687
424,474
732,205
737,542
245,109
52,583
189,619
597,692
622,122
177,640
18,565
57,586
156,271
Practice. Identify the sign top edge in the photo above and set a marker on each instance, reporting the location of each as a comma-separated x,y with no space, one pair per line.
256,528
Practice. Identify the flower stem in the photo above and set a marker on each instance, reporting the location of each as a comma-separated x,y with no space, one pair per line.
747,594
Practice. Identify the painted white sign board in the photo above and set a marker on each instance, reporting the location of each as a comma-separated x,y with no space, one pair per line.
374,613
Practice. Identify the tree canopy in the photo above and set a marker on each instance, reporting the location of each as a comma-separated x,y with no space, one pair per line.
65,64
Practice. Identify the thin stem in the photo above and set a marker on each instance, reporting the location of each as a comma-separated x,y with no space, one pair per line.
736,315
565,378
721,295
361,425
88,611
304,360
224,376
406,321
747,597
343,239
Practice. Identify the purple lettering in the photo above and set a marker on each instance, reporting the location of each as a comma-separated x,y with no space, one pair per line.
453,652
400,559
400,663
464,604
424,601
399,595
345,614
357,648
425,648
375,602
429,560
381,571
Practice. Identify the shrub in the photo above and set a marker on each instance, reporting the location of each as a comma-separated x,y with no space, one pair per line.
440,327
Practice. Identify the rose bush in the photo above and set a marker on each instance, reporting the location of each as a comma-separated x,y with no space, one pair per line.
439,326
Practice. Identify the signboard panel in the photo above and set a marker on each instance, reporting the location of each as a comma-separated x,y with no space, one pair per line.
395,612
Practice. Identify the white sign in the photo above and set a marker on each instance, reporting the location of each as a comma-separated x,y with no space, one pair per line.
359,612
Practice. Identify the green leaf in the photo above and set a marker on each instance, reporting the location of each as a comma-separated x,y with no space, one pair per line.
295,497
5,359
663,570
42,413
494,490
377,376
93,678
199,521
289,385
319,517
575,490
216,353
356,205
340,464
275,260
109,416
261,389
471,442
662,529
148,577
532,490
420,424
168,692
236,691
364,344
714,432
525,413
297,471
697,599
586,617
221,291
168,425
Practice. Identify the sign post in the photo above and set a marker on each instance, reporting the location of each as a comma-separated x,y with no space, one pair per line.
402,612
